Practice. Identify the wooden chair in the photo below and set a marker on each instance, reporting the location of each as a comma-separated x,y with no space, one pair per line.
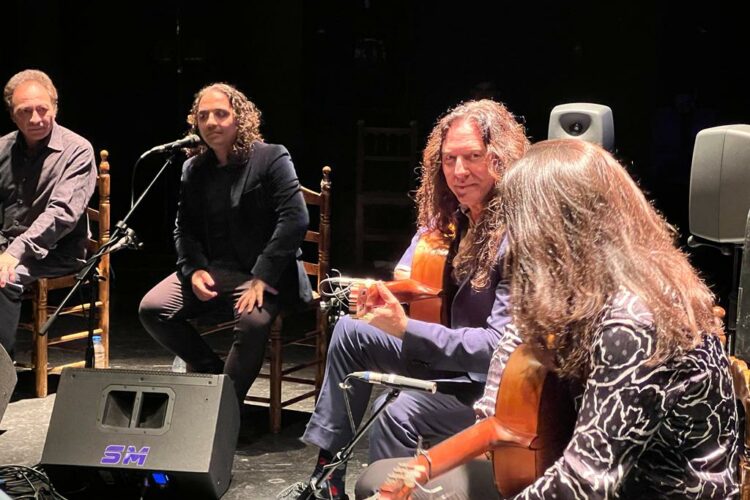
317,337
38,293
385,166
741,381
741,378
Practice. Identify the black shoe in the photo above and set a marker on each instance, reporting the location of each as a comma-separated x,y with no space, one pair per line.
303,491
297,491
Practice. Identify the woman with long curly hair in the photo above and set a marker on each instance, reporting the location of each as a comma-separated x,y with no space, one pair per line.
591,260
635,336
240,221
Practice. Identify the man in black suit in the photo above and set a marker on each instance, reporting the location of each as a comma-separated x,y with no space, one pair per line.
240,221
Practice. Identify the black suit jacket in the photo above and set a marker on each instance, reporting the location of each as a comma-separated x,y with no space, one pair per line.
268,222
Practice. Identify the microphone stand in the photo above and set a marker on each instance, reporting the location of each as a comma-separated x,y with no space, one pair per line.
122,237
345,453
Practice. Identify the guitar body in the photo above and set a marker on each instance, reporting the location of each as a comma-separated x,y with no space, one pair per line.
531,400
428,268
422,291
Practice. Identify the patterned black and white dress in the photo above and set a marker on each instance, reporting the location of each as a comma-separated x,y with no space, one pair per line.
665,431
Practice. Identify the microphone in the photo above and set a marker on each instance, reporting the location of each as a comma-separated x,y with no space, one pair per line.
396,381
190,141
128,240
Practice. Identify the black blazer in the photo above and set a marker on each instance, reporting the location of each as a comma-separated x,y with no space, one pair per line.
268,223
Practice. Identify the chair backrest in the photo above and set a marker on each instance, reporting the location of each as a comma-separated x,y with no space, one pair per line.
100,236
385,148
101,215
385,166
322,237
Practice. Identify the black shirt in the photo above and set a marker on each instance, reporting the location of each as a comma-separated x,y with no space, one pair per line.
217,205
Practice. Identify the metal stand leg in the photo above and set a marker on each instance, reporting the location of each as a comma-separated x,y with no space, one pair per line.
345,453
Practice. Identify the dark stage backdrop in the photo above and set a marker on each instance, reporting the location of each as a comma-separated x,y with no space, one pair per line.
127,71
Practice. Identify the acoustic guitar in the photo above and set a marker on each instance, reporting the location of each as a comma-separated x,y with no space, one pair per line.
422,291
533,422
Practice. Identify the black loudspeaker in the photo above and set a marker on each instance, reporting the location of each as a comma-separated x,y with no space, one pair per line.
118,430
8,380
720,183
742,344
585,121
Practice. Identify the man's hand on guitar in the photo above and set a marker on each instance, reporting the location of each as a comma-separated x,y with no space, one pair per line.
357,297
401,482
382,310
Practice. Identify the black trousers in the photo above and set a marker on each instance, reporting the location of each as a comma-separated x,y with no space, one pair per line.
26,274
166,309
10,312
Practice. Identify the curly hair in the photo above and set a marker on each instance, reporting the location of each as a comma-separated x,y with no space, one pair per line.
505,139
246,113
29,75
578,230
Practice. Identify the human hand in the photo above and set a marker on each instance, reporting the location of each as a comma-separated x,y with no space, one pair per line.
402,481
8,265
202,284
358,296
251,297
383,310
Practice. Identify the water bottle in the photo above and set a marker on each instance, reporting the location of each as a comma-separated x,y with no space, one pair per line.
99,358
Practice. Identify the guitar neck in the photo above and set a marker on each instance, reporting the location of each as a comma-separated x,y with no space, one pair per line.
478,439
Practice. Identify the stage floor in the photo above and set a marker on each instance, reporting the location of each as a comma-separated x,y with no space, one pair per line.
264,463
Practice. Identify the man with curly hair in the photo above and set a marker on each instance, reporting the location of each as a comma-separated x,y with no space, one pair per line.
466,155
240,221
47,176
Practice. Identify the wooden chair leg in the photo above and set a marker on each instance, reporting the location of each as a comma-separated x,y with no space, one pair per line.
321,349
744,474
39,353
103,311
274,407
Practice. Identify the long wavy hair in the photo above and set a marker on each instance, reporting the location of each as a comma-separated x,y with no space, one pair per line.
579,228
246,113
505,139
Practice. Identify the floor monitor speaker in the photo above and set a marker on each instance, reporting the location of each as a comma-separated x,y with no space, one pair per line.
119,430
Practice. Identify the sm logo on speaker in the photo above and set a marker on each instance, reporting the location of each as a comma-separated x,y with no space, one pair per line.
118,454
